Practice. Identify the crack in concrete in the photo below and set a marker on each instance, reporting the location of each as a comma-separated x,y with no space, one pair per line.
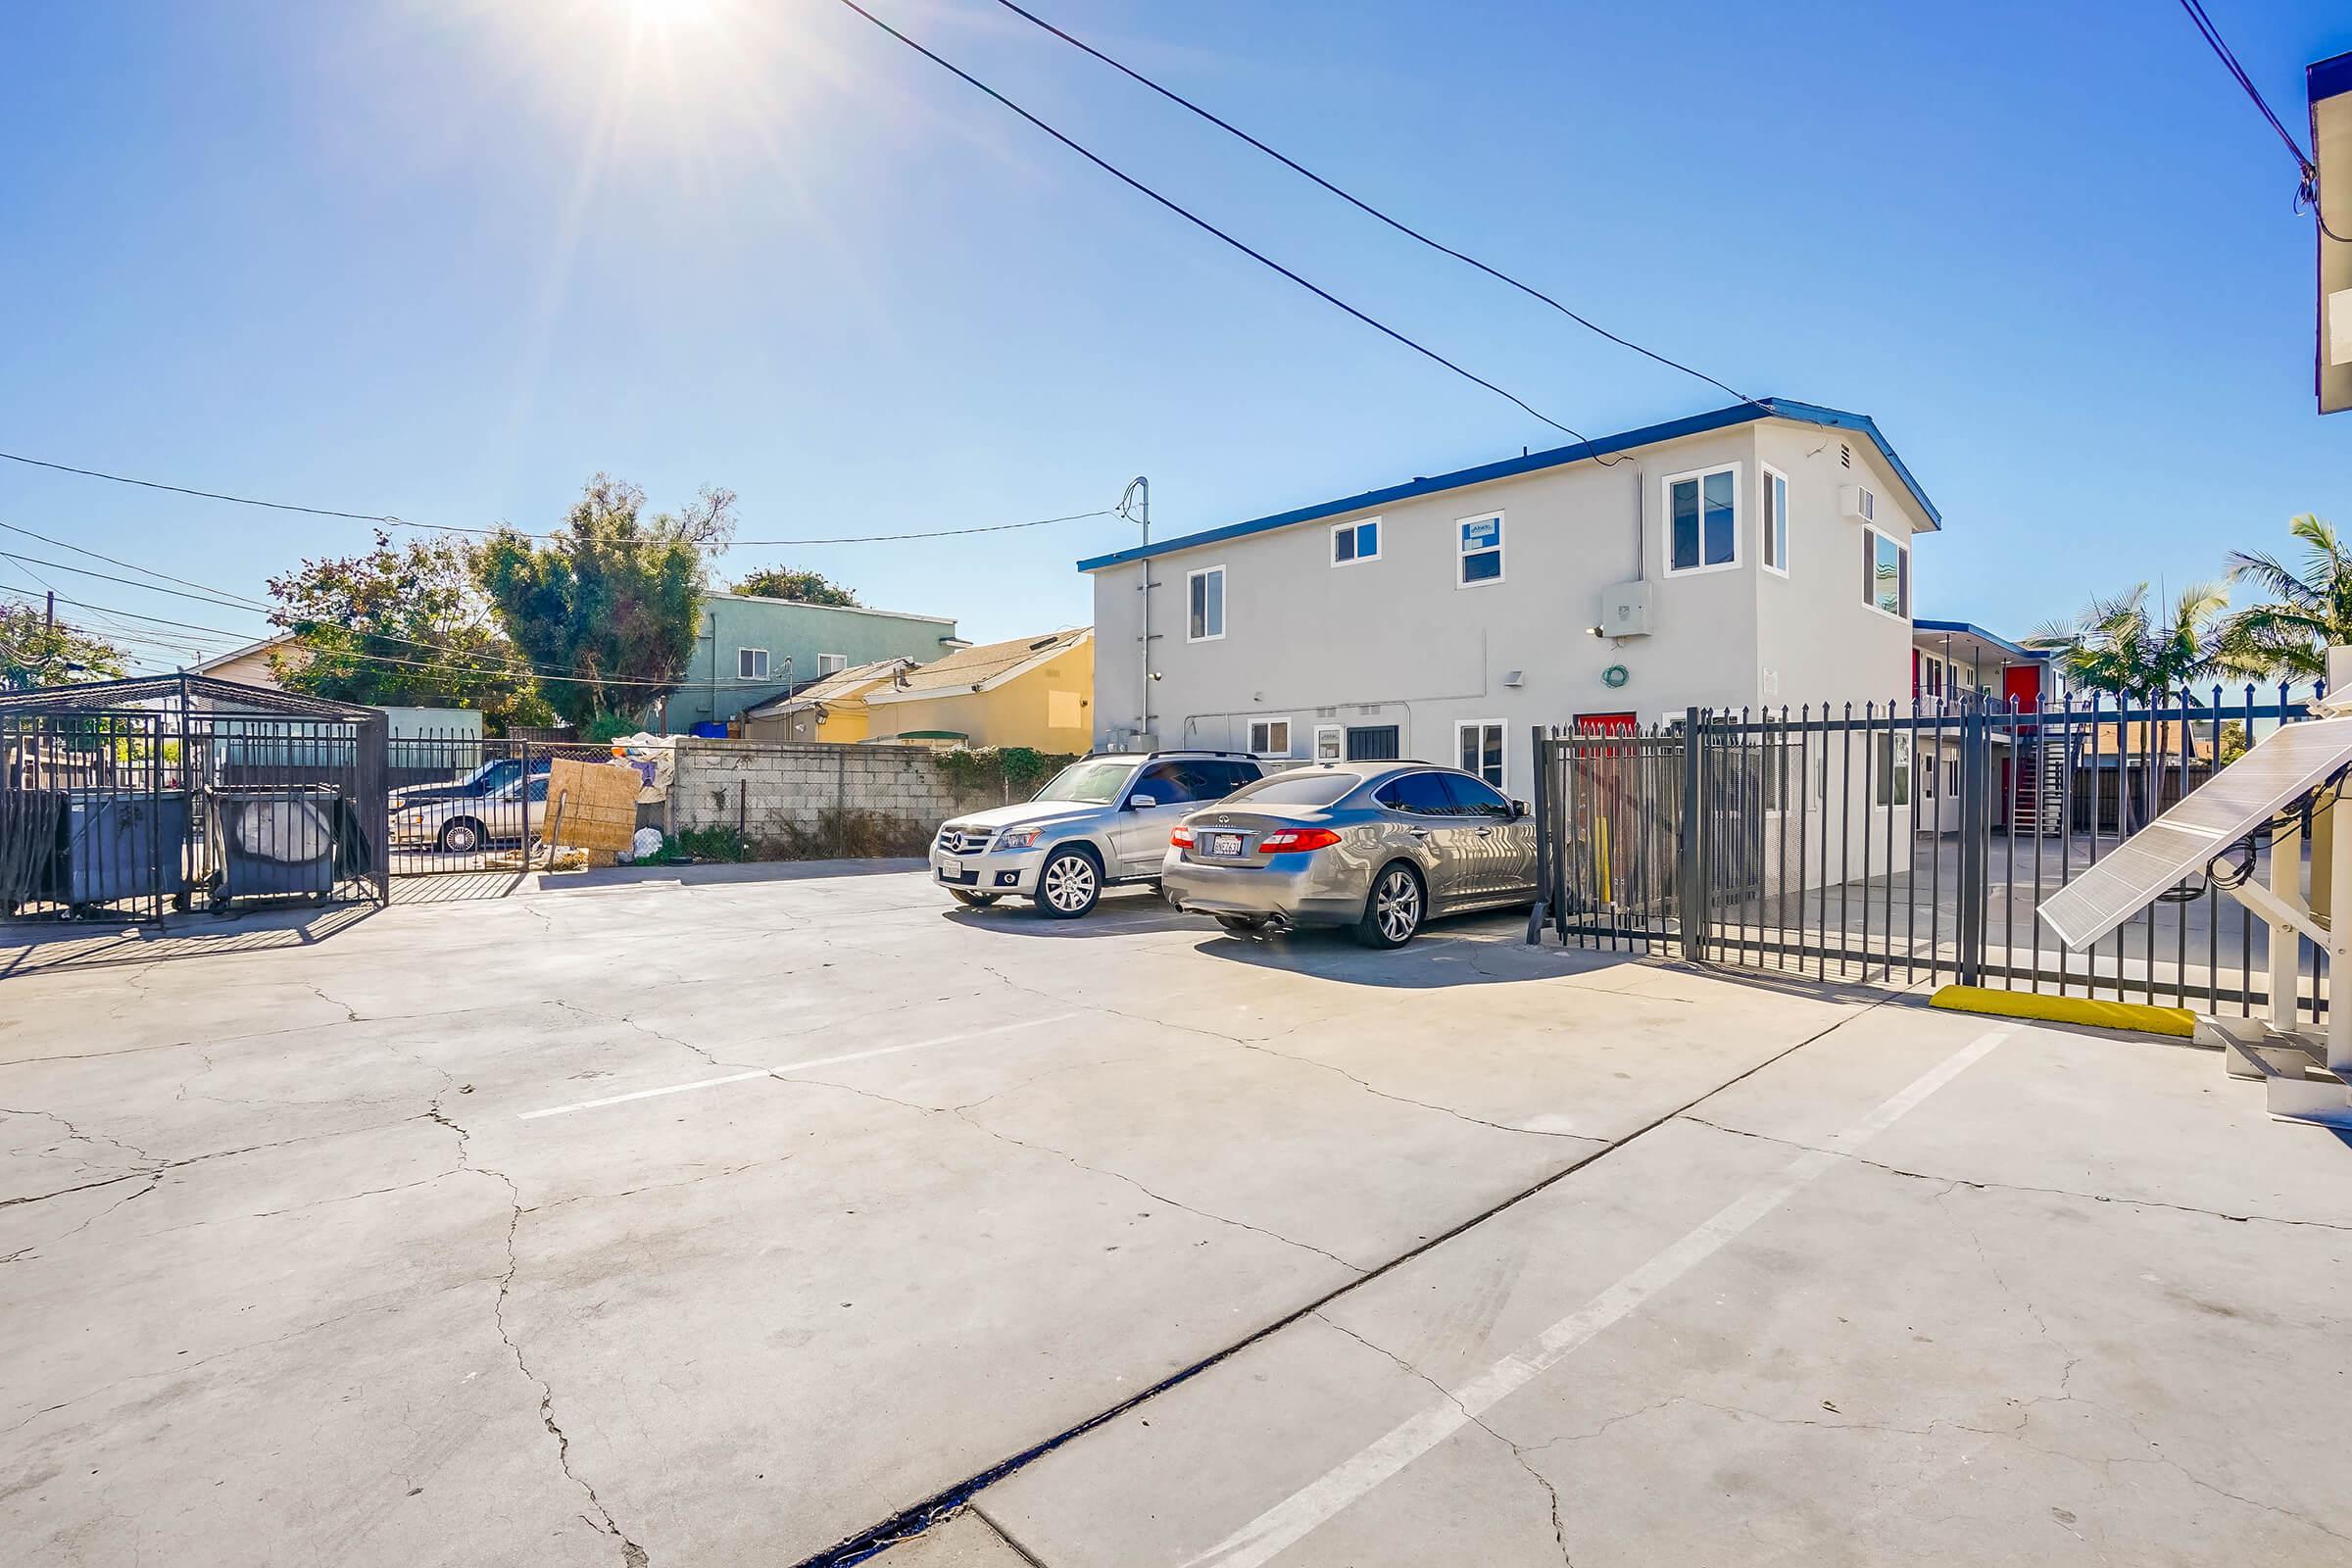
652,1033
1559,1532
632,1556
2014,1187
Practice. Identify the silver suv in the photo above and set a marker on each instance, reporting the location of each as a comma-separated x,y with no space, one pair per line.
1102,821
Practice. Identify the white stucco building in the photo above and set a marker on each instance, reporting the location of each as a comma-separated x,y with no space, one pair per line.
1751,556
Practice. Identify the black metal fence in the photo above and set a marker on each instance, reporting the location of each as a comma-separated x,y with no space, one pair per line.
460,801
1912,842
134,798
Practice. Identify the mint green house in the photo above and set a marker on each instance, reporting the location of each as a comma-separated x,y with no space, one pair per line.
749,649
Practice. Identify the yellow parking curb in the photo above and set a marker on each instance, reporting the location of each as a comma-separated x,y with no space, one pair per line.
2136,1016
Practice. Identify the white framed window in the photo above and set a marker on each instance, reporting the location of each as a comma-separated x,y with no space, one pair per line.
1270,737
751,664
1885,574
832,664
1478,747
1776,521
1331,743
1702,520
1204,605
1478,548
1352,543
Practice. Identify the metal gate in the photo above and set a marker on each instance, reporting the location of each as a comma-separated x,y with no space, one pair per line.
1912,842
134,798
460,801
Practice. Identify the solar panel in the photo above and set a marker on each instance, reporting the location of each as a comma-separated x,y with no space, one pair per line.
2177,845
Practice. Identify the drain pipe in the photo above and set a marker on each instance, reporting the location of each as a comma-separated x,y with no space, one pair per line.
1139,491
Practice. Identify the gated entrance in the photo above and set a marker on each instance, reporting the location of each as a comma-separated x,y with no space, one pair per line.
462,803
1910,843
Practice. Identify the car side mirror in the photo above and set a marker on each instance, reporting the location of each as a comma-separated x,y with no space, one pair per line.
1141,803
1518,810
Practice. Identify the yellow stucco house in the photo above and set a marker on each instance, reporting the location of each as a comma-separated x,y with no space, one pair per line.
1029,691
832,709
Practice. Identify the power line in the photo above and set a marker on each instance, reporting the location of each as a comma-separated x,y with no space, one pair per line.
128,566
1358,202
1206,225
2221,48
680,683
389,520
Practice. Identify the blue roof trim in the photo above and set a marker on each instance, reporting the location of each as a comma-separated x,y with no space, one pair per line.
2326,78
1962,628
1536,461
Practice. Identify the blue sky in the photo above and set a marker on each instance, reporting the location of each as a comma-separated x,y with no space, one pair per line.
445,259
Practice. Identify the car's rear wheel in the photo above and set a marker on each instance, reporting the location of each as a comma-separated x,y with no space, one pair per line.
1393,908
1068,884
1243,924
461,837
972,901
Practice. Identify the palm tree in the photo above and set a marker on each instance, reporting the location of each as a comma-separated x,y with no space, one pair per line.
2290,634
2119,646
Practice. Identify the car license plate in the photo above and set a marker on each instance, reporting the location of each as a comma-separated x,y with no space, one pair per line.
950,868
1226,843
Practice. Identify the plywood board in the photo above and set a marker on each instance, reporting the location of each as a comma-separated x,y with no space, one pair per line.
591,805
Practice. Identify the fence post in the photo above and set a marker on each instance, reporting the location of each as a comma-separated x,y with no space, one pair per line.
1690,864
1976,835
1545,844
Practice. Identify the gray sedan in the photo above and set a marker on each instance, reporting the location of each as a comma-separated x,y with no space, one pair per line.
1378,846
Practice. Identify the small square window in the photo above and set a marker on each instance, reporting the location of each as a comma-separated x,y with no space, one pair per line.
1481,547
1352,542
1270,737
1204,594
832,664
751,664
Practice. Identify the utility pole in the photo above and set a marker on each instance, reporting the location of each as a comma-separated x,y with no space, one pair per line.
50,625
1139,491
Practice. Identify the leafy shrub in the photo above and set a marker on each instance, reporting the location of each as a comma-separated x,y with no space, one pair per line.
1009,773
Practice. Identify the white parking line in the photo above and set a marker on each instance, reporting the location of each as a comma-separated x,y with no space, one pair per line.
1296,1516
796,1066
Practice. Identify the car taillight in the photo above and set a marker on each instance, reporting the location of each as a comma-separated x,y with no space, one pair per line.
1285,838
1180,839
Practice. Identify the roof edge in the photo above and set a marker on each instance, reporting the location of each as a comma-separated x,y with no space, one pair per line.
1535,462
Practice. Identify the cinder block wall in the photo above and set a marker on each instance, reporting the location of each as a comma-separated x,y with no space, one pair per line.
775,790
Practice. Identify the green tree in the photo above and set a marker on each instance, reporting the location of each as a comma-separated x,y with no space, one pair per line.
613,601
2307,610
402,626
33,653
2142,654
801,587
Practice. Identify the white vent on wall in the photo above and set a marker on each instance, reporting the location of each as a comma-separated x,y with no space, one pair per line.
1858,503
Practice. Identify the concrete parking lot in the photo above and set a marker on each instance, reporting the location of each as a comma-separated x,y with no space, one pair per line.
718,1219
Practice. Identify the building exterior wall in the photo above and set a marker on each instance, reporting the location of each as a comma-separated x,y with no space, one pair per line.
795,794
1395,641
1817,640
795,635
1049,707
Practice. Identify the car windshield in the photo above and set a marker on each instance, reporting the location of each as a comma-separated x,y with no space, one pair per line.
1306,787
1087,783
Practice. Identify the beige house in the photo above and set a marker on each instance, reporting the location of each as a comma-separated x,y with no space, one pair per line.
250,665
829,710
1027,691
